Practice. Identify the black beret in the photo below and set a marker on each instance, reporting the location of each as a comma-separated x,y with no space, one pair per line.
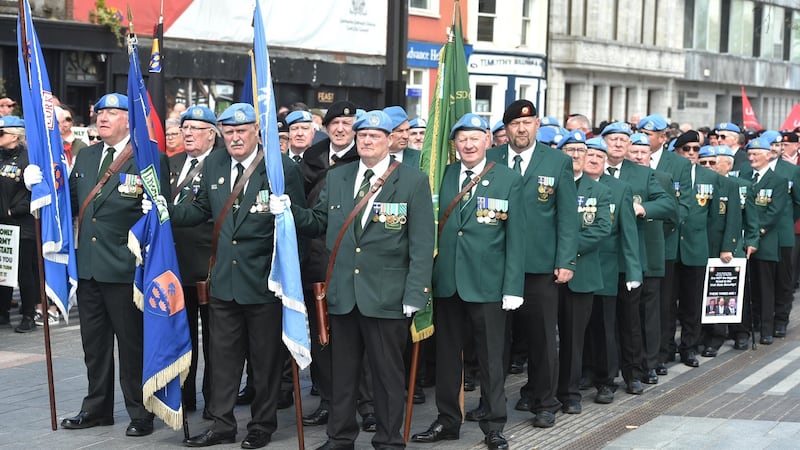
789,136
342,108
687,138
520,108
282,127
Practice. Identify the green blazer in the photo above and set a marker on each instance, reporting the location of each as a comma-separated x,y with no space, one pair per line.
655,231
680,169
549,214
725,221
595,227
746,203
693,247
791,173
481,261
412,157
386,267
771,211
102,248
619,252
656,202
244,249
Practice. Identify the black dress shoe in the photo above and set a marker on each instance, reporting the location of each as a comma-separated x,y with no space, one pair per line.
435,433
285,400
246,396
331,446
369,423
139,427
516,367
571,407
690,359
256,439
544,419
766,340
709,352
85,420
651,377
318,417
419,396
780,330
495,440
475,415
523,404
661,369
634,387
210,438
605,395
740,343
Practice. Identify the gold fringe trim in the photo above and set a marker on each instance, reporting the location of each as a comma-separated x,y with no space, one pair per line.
136,249
174,419
421,335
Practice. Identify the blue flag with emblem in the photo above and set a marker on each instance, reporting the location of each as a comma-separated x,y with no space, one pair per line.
51,196
157,288
284,278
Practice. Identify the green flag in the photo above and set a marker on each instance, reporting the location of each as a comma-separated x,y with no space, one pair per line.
451,100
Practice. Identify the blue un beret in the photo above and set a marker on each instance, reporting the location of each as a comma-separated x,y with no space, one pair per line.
468,121
727,126
671,145
707,151
549,121
640,139
617,128
498,126
376,119
758,144
573,137
771,136
113,100
298,117
238,114
653,122
597,143
11,122
417,123
201,113
550,135
396,114
724,150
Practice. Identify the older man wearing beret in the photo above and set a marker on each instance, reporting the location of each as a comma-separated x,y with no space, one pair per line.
399,148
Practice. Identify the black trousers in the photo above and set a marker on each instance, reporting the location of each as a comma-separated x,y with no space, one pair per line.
600,352
106,311
384,341
784,286
28,279
764,274
195,311
629,331
669,314
487,332
650,316
690,304
540,313
234,328
320,356
574,311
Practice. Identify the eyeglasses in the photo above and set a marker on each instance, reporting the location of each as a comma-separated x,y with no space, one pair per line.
707,162
172,135
93,138
691,148
572,150
192,129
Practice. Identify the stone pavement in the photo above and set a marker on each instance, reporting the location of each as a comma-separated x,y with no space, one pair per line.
740,399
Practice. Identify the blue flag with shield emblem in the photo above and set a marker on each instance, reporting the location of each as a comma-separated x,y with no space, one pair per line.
284,278
51,196
157,287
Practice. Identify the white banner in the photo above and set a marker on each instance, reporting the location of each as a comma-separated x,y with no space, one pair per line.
346,26
9,255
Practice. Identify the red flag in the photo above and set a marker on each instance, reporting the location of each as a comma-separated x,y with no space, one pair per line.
748,115
792,120
155,88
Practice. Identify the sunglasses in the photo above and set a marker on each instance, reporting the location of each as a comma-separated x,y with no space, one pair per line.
707,162
691,148
93,138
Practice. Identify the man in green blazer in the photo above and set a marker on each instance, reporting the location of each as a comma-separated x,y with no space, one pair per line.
549,195
575,302
399,149
243,312
477,276
381,276
620,255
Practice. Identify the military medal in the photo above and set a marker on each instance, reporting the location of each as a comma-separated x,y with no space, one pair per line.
733,173
705,192
262,202
11,171
764,197
791,183
130,185
742,195
589,211
613,208
545,187
723,206
677,186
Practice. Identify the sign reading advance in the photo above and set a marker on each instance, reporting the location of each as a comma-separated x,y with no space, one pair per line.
423,54
527,66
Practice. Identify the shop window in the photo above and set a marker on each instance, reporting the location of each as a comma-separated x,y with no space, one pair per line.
483,101
416,94
526,22
487,10
424,7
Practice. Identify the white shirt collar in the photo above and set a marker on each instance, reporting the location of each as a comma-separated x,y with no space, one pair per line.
773,163
379,169
655,158
247,161
475,170
340,153
119,147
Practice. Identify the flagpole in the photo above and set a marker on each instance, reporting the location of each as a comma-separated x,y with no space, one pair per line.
39,254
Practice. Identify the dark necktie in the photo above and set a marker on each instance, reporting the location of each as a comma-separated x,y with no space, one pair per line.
362,191
755,178
188,187
297,158
106,162
334,160
518,164
612,171
237,203
466,197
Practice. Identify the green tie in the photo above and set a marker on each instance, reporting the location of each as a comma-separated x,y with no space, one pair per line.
188,187
612,171
297,158
518,164
106,162
466,197
755,178
362,191
240,197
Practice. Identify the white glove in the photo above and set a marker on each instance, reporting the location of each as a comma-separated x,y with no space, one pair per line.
631,285
409,310
31,176
147,205
512,302
278,204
